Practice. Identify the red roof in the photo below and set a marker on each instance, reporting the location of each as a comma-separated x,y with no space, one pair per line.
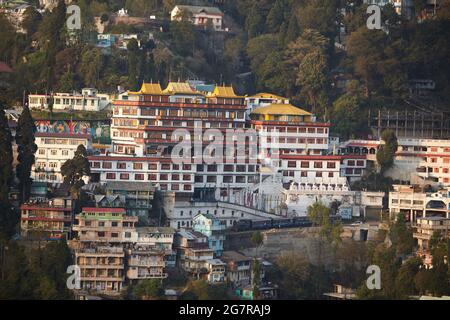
5,68
359,144
411,154
130,158
62,135
42,208
95,209
46,219
320,157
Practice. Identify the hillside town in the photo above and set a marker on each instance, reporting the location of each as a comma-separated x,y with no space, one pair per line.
232,150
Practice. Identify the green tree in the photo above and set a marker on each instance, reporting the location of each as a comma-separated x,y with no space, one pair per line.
199,289
313,79
66,82
31,20
366,50
404,286
293,276
254,23
292,32
318,214
401,235
386,152
277,15
320,15
256,276
149,289
91,66
26,149
348,116
7,219
73,170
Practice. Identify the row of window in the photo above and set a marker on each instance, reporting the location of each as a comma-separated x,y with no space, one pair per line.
226,179
406,201
307,164
357,163
187,113
75,142
140,166
175,167
436,160
179,177
150,177
51,177
299,140
53,152
304,174
298,130
43,165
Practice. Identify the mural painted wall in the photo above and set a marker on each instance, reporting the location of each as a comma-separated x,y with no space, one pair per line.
98,129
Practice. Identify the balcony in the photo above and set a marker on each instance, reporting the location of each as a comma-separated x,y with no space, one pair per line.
139,263
422,236
133,274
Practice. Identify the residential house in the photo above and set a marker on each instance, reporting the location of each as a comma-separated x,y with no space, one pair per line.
199,15
238,268
104,225
102,269
213,228
426,227
46,220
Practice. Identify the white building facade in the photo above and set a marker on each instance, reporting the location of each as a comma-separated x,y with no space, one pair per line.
53,150
89,100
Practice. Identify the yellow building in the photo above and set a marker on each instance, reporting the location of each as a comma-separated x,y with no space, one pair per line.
282,113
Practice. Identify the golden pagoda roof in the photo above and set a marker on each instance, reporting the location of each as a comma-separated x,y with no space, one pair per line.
224,92
265,95
281,109
149,88
179,87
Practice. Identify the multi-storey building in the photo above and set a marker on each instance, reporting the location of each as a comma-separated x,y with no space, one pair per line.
426,227
429,159
160,239
238,268
213,228
88,100
193,252
138,196
146,126
302,144
420,161
105,225
414,202
149,126
216,270
53,150
145,263
48,220
102,269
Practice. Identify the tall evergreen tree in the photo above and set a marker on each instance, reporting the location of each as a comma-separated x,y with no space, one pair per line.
6,157
26,149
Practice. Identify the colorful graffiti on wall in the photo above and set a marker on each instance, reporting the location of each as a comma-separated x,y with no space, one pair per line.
99,130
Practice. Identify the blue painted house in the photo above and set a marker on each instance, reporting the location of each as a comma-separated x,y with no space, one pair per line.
213,228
